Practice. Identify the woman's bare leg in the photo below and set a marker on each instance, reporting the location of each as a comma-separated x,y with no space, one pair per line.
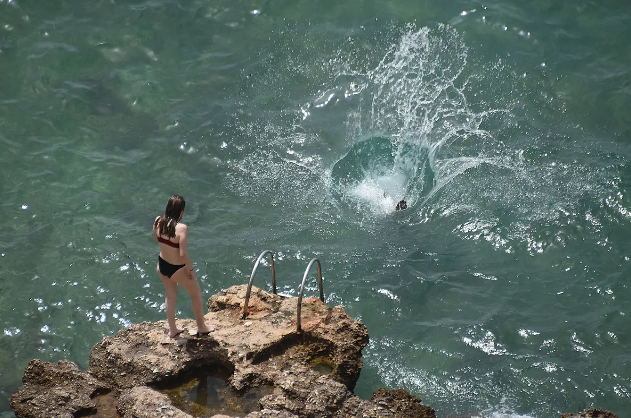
169,303
182,278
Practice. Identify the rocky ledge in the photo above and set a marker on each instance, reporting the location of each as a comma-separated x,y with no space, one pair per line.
258,367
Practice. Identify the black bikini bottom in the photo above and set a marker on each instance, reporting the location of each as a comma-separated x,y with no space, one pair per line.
168,269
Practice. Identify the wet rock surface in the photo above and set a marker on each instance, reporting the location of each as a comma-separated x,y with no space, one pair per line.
311,373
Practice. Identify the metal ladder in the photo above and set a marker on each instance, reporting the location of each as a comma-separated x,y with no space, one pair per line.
256,266
302,286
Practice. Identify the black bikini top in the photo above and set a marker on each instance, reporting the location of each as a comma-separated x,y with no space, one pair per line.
169,243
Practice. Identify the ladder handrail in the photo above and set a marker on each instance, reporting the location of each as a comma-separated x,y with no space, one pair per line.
302,288
256,265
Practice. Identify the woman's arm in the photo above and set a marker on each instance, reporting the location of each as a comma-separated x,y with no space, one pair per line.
155,236
183,233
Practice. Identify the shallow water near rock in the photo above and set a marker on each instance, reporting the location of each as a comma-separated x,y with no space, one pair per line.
322,366
206,395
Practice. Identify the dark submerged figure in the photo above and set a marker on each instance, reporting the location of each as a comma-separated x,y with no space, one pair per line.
174,264
402,205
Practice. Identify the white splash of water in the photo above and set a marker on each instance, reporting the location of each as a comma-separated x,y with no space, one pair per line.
380,193
416,96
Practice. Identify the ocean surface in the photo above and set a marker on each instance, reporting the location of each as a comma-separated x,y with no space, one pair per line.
296,126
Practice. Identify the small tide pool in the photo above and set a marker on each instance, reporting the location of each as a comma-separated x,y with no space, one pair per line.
205,395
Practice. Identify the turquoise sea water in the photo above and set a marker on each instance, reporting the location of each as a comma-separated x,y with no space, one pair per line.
296,126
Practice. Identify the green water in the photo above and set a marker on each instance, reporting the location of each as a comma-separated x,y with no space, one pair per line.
296,126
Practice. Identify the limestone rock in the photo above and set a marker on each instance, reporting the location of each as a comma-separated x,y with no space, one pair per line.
268,413
591,413
402,404
60,390
144,354
306,374
144,402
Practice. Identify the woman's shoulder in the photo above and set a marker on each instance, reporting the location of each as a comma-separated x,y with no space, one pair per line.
181,231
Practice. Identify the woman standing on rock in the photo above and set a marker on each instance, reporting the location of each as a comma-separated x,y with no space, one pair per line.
174,264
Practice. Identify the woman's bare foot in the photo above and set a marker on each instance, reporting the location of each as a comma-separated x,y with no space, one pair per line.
204,330
177,332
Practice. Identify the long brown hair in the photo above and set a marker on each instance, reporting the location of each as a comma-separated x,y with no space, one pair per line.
166,224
